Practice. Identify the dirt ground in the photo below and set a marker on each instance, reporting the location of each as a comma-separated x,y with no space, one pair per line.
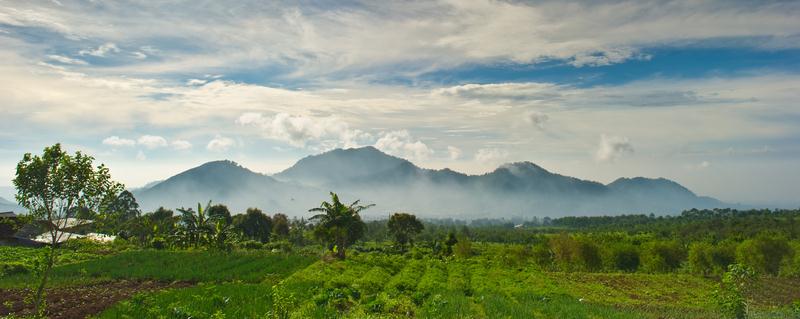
79,301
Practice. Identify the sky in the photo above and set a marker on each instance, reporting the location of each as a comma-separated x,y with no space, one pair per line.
705,93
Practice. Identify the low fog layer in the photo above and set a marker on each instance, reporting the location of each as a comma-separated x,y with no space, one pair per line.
394,184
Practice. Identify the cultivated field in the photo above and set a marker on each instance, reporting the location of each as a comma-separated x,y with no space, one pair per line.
374,284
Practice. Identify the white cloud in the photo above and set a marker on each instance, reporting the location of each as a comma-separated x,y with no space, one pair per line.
491,155
420,35
400,143
612,148
220,144
705,164
299,130
454,152
66,60
101,51
181,145
140,156
116,141
537,119
193,82
139,55
152,141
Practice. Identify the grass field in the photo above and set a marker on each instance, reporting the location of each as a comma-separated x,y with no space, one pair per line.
190,266
259,284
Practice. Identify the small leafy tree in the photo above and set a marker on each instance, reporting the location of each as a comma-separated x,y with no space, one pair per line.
280,225
339,225
404,227
124,207
54,187
254,224
220,212
196,227
733,290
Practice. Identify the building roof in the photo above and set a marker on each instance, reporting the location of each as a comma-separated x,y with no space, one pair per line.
67,223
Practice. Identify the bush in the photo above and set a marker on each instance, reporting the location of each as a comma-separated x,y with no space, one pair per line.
764,253
463,247
662,256
624,257
700,258
13,268
283,246
542,256
589,256
158,243
565,251
250,244
723,255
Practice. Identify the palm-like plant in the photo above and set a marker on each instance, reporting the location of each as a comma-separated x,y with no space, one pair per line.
196,227
339,225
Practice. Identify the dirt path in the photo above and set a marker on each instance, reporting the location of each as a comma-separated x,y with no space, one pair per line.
79,301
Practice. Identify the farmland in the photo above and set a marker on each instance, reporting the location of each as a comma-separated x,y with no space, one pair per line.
384,284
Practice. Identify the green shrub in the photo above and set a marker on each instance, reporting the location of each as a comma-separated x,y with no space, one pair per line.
765,253
589,256
283,246
662,256
731,296
565,251
250,244
723,255
158,243
13,268
542,256
700,258
624,257
463,248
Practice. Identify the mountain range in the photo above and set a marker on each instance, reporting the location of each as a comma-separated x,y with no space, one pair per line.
521,189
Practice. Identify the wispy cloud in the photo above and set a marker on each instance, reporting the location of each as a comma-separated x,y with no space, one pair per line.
101,51
152,141
117,141
66,60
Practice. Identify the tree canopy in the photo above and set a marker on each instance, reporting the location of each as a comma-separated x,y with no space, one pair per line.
339,225
404,227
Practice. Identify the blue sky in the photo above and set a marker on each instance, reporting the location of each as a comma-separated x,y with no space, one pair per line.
701,92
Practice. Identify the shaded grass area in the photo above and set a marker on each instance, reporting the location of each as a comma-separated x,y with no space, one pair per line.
189,266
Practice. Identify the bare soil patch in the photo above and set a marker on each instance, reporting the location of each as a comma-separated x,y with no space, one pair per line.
79,301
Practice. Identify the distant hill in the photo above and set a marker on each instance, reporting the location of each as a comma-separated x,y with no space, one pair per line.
9,206
221,182
395,184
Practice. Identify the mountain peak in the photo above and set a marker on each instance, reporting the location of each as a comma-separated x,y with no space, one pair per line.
341,165
524,166
642,184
